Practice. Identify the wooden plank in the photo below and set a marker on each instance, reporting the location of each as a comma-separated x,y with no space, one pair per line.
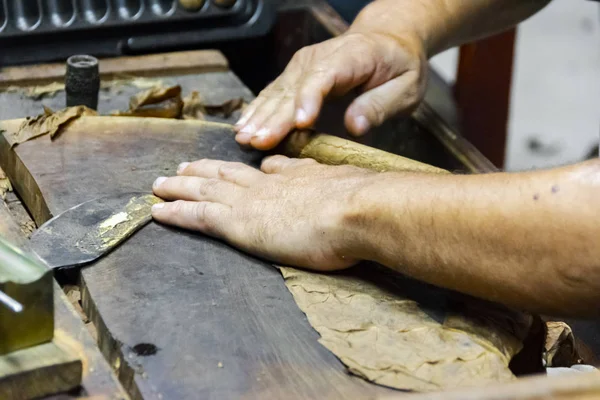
571,386
200,302
482,91
147,65
98,377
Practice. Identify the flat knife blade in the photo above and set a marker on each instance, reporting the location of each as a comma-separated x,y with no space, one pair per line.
89,230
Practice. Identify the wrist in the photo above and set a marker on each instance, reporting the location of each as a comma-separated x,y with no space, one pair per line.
368,213
421,24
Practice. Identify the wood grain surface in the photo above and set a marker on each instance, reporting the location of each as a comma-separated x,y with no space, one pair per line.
98,378
222,323
180,315
149,65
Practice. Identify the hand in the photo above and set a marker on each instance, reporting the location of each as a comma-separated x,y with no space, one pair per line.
391,71
291,211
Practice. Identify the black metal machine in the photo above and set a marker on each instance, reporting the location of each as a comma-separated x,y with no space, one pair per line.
34,31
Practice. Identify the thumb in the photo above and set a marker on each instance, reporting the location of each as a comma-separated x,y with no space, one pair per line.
396,96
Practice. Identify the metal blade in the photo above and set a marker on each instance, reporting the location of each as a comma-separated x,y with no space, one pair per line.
85,232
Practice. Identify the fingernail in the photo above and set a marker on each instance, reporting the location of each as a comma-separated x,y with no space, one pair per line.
243,137
362,124
159,181
158,206
249,129
262,132
243,119
182,166
301,116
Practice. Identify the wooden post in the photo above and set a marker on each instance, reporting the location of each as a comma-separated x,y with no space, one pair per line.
482,92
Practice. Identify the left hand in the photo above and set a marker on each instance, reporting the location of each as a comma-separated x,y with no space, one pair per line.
291,211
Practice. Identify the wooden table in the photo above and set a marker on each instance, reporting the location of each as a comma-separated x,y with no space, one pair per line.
179,316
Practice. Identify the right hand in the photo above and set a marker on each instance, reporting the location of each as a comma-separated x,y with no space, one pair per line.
390,71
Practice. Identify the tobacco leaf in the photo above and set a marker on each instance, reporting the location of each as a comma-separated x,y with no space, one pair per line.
170,108
47,123
395,341
5,185
561,349
156,102
116,84
39,91
193,107
225,109
153,96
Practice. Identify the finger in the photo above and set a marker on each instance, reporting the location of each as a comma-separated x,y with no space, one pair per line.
244,130
245,127
209,218
276,126
312,90
270,106
233,172
279,164
399,95
192,188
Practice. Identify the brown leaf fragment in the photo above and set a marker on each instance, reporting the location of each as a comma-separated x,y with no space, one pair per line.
156,102
153,96
5,185
48,111
225,109
47,123
193,107
394,341
37,92
170,108
561,349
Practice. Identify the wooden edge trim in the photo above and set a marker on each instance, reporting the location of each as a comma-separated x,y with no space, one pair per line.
147,65
23,183
329,18
576,385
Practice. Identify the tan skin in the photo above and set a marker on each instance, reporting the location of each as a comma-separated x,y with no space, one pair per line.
528,240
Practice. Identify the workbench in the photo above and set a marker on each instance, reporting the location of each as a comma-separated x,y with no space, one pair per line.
193,317
179,316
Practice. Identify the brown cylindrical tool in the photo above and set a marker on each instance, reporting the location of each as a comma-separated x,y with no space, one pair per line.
333,150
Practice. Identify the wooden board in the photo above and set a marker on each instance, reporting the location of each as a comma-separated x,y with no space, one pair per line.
223,323
98,378
150,65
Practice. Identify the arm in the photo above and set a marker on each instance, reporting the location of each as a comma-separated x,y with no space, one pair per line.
442,24
384,54
528,240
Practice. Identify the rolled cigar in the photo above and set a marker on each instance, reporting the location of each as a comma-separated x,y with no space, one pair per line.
332,150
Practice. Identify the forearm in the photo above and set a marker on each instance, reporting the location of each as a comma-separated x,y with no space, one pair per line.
441,24
529,240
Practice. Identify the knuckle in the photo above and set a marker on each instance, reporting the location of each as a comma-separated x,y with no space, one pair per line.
225,170
177,207
199,211
302,54
206,188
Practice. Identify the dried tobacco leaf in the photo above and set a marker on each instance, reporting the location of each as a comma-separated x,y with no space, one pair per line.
561,349
225,109
156,102
395,341
170,108
38,92
193,107
116,84
48,123
153,96
5,185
